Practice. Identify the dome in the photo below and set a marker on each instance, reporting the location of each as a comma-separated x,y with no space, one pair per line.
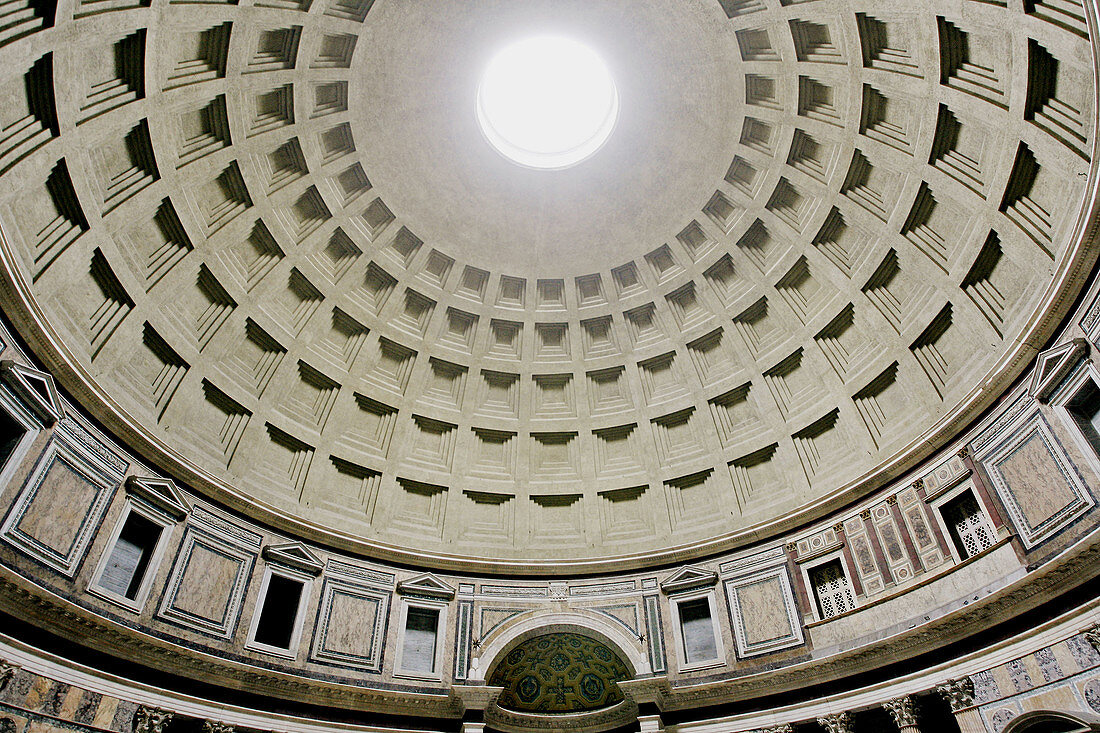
294,272
549,364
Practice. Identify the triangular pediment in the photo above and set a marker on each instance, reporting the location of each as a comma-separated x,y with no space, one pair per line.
1052,366
426,584
161,493
687,578
36,388
294,555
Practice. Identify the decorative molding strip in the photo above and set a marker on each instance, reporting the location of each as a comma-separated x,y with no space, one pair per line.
358,572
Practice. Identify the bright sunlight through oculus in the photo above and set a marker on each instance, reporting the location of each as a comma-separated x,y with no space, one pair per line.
547,102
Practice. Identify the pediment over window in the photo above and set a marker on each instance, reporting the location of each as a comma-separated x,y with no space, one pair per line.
1052,366
426,584
687,578
295,555
161,493
36,388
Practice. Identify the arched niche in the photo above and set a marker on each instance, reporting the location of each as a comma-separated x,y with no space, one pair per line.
515,631
1054,721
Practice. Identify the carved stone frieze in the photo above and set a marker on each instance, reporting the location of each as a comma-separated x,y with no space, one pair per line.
958,693
784,728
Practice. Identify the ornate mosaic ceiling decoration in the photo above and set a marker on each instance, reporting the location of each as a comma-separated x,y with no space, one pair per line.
559,673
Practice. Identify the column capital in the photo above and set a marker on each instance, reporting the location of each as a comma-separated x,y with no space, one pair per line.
836,723
7,671
1092,636
902,711
215,726
958,693
785,728
151,720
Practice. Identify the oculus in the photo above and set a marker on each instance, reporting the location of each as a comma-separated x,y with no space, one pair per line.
547,102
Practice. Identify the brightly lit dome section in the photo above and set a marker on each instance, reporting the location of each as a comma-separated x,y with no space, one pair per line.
547,102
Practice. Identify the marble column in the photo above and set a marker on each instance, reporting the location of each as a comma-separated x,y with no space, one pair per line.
960,696
836,723
902,711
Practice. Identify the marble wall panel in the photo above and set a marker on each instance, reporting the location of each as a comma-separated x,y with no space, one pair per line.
207,584
762,606
859,542
914,513
1041,489
351,623
60,506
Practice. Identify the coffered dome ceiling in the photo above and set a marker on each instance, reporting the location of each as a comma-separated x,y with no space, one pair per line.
265,243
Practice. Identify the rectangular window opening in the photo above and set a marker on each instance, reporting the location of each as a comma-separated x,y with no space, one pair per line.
966,523
421,633
831,589
279,612
1084,408
11,432
129,559
697,631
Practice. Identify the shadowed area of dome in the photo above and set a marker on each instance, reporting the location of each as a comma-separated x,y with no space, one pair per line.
559,673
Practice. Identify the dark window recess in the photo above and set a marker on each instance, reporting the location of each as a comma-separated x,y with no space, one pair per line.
421,632
966,523
130,556
11,433
1085,410
697,630
831,589
280,610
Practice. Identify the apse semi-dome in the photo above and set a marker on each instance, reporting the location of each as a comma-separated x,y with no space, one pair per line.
268,245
